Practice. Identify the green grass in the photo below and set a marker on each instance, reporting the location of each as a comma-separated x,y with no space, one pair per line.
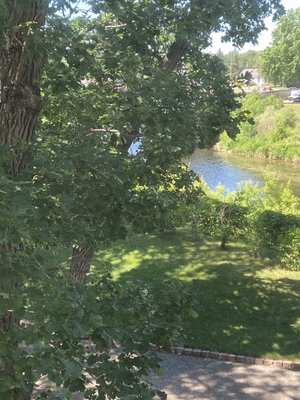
246,306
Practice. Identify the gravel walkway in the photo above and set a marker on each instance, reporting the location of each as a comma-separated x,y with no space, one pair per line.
193,378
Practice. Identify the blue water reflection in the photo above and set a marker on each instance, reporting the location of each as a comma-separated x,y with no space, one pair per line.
231,170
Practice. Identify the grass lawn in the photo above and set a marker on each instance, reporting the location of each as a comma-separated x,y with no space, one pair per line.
246,306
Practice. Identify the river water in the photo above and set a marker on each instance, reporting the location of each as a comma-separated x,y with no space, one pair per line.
230,170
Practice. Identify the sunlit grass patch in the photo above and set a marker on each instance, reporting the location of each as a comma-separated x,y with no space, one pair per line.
246,305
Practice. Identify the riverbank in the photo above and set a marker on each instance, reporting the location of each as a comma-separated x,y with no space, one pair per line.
272,130
219,149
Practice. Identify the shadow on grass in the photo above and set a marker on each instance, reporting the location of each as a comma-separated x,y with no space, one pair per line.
246,306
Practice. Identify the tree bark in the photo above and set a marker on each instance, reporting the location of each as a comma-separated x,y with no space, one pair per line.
20,102
177,51
80,264
20,76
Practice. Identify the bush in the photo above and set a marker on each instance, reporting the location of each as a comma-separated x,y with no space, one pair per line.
256,104
273,130
274,228
290,250
267,218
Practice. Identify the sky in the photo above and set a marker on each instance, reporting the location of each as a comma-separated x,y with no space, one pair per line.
264,39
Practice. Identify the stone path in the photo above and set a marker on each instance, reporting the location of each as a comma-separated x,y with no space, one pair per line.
193,378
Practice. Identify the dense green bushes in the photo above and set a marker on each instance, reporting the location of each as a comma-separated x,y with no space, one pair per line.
273,130
268,220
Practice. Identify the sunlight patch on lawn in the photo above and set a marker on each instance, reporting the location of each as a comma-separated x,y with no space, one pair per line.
245,305
190,272
296,325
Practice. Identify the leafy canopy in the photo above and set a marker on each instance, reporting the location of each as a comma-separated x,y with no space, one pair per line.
280,62
105,83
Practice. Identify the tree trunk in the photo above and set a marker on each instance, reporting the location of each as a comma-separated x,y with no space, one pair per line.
20,102
223,243
80,264
177,51
20,76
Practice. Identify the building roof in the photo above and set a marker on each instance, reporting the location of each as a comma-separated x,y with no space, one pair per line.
253,71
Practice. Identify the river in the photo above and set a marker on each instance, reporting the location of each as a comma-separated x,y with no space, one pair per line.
230,170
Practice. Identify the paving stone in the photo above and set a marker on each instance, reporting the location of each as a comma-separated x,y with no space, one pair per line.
259,361
234,358
214,355
187,351
231,357
197,352
287,364
296,367
278,363
250,360
268,362
178,350
224,356
205,353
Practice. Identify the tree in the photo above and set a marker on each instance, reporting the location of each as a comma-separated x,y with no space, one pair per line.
280,62
147,77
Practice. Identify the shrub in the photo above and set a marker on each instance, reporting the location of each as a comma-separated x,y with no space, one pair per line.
274,228
272,131
290,250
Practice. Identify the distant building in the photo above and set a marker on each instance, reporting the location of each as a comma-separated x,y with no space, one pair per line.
251,75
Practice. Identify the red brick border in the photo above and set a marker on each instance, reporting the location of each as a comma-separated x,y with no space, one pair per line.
235,358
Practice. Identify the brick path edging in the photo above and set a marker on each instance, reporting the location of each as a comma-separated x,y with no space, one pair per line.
235,358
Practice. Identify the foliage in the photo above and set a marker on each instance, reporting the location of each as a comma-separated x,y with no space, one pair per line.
272,214
266,218
272,228
56,316
256,104
52,341
290,250
274,133
236,20
106,82
279,61
211,215
167,203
